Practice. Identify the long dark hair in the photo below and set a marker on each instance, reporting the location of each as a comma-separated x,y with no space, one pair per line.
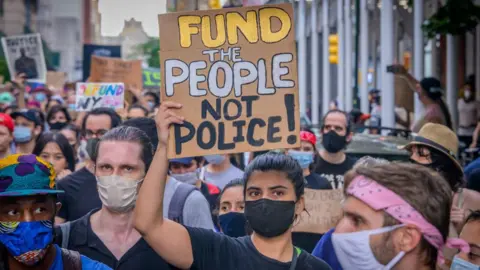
432,88
62,143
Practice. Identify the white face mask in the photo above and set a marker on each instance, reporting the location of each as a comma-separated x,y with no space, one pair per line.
117,193
215,159
354,252
187,178
467,94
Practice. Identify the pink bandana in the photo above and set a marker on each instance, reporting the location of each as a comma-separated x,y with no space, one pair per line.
379,197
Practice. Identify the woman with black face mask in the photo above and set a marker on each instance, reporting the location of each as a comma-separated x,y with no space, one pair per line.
273,191
58,117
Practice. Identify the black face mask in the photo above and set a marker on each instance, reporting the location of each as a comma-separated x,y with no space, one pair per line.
58,125
233,224
92,146
333,143
270,218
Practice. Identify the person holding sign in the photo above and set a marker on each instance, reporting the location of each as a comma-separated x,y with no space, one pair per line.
274,188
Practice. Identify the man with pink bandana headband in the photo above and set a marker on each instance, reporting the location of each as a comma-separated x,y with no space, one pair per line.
396,216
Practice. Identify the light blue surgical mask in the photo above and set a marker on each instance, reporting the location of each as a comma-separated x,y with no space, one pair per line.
459,264
215,159
303,158
40,97
151,105
22,134
72,106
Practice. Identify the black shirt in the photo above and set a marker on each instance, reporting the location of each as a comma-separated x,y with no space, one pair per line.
212,251
83,240
334,172
81,195
315,181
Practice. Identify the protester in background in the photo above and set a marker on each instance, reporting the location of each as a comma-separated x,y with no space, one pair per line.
230,210
152,100
374,98
81,195
54,148
468,115
186,170
273,191
219,171
27,208
6,135
6,100
324,248
55,100
123,157
390,221
333,163
182,201
136,111
28,127
72,134
306,155
58,117
471,234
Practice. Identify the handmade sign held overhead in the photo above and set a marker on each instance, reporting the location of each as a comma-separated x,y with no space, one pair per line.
235,72
324,211
56,80
151,78
98,50
25,55
108,69
97,95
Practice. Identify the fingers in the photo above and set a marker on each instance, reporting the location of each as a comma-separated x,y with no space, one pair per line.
170,105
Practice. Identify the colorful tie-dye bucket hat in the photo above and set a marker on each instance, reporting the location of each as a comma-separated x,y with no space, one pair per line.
26,175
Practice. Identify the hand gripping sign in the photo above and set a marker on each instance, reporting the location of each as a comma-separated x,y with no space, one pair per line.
234,71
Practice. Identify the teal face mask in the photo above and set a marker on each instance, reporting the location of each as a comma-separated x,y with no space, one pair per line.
459,264
40,97
303,158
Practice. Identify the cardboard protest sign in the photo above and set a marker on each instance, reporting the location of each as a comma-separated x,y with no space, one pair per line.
98,50
56,80
107,69
99,95
235,72
24,54
151,78
324,211
404,95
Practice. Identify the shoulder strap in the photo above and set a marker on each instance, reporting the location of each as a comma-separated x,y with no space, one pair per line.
460,198
296,254
71,260
175,210
65,227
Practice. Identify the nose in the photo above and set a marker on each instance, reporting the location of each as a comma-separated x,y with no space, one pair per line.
27,215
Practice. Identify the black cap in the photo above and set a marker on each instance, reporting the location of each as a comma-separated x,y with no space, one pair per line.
30,115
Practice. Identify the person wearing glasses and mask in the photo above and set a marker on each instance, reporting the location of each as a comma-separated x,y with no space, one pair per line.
80,187
333,163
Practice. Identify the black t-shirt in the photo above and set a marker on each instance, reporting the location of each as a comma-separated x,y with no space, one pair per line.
334,172
81,195
217,251
315,181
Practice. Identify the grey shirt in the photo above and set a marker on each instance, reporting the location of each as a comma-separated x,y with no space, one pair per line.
221,179
196,212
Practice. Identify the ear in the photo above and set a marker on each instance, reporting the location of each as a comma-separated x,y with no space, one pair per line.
300,206
37,130
407,238
58,206
349,137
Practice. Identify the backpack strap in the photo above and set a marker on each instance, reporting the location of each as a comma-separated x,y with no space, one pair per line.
65,227
71,260
175,210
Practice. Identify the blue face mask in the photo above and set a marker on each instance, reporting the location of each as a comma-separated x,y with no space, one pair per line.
72,106
303,158
233,224
215,159
459,264
40,97
151,105
22,134
27,242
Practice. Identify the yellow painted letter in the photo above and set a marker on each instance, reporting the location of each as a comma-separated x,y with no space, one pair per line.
248,27
266,32
207,38
187,30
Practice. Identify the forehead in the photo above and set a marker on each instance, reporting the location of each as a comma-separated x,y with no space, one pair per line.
68,133
59,113
4,130
305,144
52,147
471,232
101,121
336,118
136,111
233,194
118,152
25,200
268,179
21,119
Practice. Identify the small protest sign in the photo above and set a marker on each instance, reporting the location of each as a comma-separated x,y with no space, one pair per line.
56,80
108,69
25,55
99,95
234,71
151,78
324,211
98,50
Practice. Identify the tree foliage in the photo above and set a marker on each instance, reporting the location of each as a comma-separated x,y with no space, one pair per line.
151,50
455,18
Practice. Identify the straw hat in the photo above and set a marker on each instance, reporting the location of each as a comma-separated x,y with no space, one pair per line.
438,137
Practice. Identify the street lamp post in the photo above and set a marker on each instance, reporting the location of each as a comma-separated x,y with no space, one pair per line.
386,54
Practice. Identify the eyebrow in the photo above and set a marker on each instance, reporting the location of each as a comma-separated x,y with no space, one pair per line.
355,215
279,186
